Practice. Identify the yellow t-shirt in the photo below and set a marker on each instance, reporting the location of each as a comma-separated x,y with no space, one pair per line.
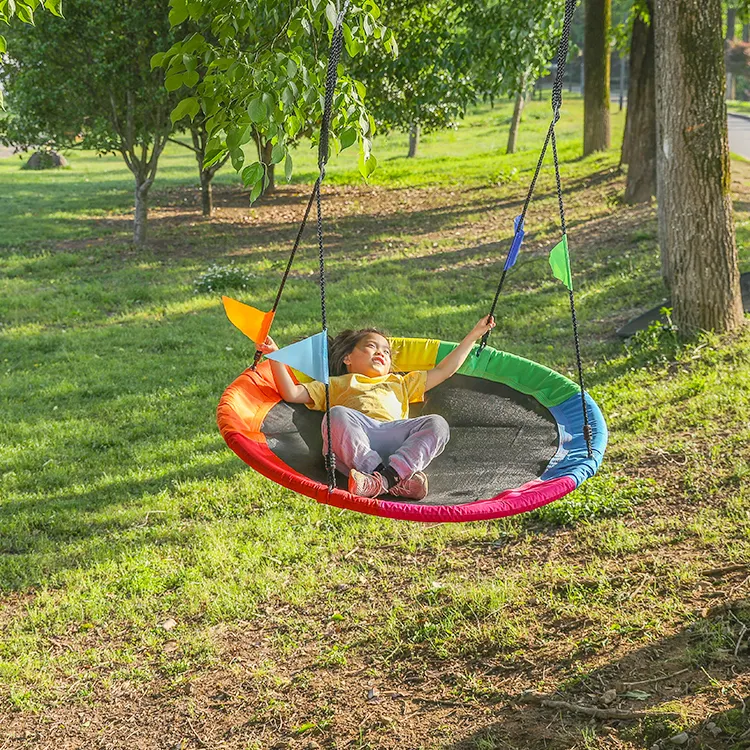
385,398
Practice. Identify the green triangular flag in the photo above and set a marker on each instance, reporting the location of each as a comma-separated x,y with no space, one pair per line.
560,262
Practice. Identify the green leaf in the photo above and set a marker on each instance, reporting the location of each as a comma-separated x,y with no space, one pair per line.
54,7
278,153
288,167
3,45
348,137
179,12
331,14
213,156
239,136
190,79
186,108
25,13
291,68
157,60
252,174
172,83
237,155
256,191
257,110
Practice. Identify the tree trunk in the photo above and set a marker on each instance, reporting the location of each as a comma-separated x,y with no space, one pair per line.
265,157
731,26
596,134
621,59
746,33
516,121
639,142
413,140
695,204
207,193
141,210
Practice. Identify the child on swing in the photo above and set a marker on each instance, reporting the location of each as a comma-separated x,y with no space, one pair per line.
381,449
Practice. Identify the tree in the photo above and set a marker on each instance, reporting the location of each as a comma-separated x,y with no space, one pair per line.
696,224
24,10
113,103
264,79
596,131
199,141
429,85
639,141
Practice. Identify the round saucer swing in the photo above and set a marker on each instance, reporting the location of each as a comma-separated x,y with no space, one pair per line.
522,435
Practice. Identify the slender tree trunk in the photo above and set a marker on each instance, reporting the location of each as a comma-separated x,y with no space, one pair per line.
207,193
141,210
639,142
515,123
695,204
746,33
596,132
413,140
621,58
265,156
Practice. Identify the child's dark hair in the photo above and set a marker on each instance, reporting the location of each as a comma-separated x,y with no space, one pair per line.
344,344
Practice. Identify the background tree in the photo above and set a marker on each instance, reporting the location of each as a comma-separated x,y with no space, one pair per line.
429,85
596,61
639,141
696,223
454,53
264,79
113,102
23,10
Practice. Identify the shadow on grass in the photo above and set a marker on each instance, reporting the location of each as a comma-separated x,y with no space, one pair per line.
673,680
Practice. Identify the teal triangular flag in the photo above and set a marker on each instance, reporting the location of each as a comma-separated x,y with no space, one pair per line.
559,259
309,356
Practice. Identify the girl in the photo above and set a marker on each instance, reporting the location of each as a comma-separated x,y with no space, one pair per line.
382,450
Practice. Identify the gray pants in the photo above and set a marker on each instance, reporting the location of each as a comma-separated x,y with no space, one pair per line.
363,443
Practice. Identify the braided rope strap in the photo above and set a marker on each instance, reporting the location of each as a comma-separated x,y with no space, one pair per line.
334,56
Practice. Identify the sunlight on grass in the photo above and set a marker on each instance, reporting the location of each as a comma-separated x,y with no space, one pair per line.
120,505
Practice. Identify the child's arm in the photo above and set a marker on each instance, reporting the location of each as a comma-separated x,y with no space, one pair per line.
449,366
288,389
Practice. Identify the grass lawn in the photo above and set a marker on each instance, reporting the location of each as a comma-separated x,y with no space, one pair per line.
156,593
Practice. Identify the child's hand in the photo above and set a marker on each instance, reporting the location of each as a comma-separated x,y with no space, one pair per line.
268,346
485,324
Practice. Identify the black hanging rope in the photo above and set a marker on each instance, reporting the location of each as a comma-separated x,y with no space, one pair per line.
557,88
337,43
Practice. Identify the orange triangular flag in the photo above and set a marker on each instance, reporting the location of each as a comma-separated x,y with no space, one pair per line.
255,324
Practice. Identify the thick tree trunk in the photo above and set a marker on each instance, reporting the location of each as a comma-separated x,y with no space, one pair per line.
596,133
413,140
516,121
639,142
695,205
141,210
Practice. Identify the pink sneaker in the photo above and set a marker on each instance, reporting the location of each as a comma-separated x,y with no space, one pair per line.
415,487
367,485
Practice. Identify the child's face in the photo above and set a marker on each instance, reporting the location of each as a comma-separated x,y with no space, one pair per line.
370,357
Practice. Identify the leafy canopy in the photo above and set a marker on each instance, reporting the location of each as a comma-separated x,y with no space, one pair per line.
256,70
454,53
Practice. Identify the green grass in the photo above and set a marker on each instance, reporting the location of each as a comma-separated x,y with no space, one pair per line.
121,507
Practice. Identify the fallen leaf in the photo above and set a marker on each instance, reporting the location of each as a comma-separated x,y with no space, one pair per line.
168,624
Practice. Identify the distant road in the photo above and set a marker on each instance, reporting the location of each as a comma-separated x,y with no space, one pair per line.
739,135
